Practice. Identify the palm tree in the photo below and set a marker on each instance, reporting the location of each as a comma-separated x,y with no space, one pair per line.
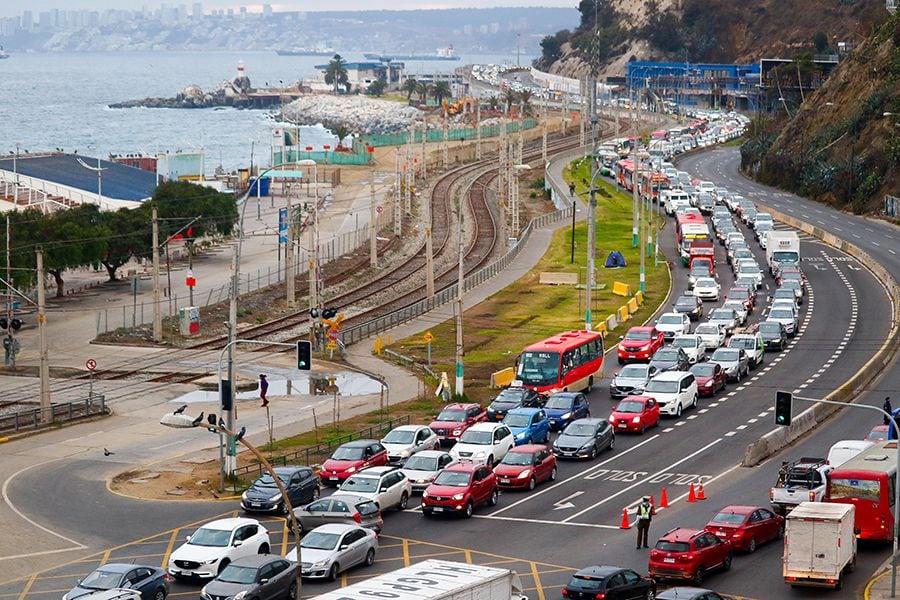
493,102
510,96
341,132
422,89
441,90
410,86
336,73
525,101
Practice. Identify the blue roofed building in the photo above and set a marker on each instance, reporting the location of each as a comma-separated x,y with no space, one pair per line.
710,85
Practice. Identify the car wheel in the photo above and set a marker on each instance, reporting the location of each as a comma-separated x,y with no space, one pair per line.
404,500
621,362
263,549
651,595
495,495
469,509
316,493
751,547
694,403
590,385
593,453
553,474
612,441
292,591
333,572
780,533
529,440
531,484
726,566
697,579
370,557
225,562
490,461
643,428
283,509
678,411
160,594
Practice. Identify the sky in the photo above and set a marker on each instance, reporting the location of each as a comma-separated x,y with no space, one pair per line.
15,7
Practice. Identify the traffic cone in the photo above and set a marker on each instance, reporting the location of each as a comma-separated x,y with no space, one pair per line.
692,496
700,494
624,524
663,499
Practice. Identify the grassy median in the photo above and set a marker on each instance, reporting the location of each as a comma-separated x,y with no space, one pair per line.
496,330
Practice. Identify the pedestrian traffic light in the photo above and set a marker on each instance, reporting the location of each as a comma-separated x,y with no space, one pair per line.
304,355
783,405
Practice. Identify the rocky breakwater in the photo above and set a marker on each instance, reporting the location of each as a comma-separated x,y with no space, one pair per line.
359,114
227,93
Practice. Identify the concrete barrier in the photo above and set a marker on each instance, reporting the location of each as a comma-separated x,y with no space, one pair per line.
503,377
621,289
623,314
632,306
559,278
639,297
601,327
611,322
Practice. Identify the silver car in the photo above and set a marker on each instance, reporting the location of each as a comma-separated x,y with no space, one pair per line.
734,361
787,317
261,577
329,550
725,317
348,509
630,380
423,467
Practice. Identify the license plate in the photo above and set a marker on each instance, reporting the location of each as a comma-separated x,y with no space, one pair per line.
622,425
438,509
332,478
668,560
255,504
720,533
504,481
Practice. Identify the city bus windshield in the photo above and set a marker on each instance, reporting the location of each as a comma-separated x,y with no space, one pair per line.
538,368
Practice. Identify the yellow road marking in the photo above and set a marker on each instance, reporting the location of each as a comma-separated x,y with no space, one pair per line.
489,554
284,538
548,571
498,562
872,582
537,581
344,579
405,552
165,559
27,587
468,555
105,558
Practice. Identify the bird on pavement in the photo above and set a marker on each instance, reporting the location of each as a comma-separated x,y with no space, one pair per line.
107,452
198,420
180,409
240,434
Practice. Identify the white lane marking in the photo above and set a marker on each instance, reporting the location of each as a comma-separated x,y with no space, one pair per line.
576,476
730,433
668,429
643,481
545,522
741,427
564,503
753,420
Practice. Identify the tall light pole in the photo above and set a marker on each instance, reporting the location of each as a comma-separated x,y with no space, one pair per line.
460,284
99,172
314,238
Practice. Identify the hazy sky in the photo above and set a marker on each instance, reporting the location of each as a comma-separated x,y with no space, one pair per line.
15,7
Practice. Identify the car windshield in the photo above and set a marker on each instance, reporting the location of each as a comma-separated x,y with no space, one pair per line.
703,370
101,580
630,406
518,458
510,395
348,453
236,574
400,436
686,302
457,415
559,402
318,540
666,354
792,275
672,546
699,271
707,329
724,354
790,284
266,480
705,283
670,320
769,327
721,313
421,463
480,438
537,368
685,342
586,583
452,479
783,294
211,537
735,305
781,313
877,434
579,430
360,484
666,387
634,371
518,420
742,342
638,334
728,518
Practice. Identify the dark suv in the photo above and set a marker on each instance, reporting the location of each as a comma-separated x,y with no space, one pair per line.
773,334
510,398
263,495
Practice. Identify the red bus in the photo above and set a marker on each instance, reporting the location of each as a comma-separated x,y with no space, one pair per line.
690,227
569,361
652,183
867,481
625,173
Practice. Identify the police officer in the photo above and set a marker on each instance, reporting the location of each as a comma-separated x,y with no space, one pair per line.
644,516
888,409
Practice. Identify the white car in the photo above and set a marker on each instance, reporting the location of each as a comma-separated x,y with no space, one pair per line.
388,487
784,303
404,441
673,323
692,345
707,288
484,443
674,391
740,308
213,546
711,334
422,468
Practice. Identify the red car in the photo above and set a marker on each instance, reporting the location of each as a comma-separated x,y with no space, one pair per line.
456,418
458,488
635,413
523,467
689,554
744,295
352,457
710,377
639,344
879,433
746,526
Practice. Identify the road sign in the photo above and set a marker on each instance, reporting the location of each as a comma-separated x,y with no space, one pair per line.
379,209
91,364
428,337
332,345
282,225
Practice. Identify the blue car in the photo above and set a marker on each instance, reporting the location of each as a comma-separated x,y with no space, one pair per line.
151,582
528,425
564,407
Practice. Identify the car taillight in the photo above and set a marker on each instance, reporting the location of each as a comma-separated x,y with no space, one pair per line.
357,518
565,592
771,493
812,496
600,595
166,577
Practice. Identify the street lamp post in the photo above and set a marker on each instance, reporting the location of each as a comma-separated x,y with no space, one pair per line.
314,237
99,172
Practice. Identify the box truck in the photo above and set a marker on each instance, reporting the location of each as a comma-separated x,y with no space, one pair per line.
435,580
782,247
819,544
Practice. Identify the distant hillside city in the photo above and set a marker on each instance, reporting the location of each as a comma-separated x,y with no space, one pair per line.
180,27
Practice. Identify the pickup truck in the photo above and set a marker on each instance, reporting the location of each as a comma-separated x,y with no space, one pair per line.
802,480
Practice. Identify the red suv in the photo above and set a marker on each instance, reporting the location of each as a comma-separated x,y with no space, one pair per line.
456,418
639,344
689,554
352,457
458,488
743,295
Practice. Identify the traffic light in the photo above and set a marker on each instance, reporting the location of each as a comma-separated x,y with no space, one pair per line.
329,313
304,355
314,313
783,405
225,400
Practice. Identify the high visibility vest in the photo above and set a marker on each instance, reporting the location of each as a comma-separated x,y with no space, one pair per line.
644,511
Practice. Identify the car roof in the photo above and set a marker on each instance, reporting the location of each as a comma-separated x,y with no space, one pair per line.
121,567
524,410
229,523
739,509
431,453
589,421
681,534
486,426
671,375
462,467
681,593
641,329
289,470
565,394
643,399
463,405
255,560
597,571
359,443
336,528
379,470
527,449
348,497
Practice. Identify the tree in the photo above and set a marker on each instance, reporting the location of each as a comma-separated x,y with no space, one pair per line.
510,97
341,132
551,47
410,86
493,102
440,90
820,40
423,89
336,74
130,237
525,101
376,88
72,238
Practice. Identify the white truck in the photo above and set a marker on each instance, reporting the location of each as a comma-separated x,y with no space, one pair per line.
819,544
802,480
782,247
435,580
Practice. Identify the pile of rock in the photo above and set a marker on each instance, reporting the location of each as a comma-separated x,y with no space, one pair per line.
359,114
193,96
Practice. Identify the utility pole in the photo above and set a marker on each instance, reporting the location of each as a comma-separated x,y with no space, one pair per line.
634,181
460,284
398,199
42,333
446,144
289,256
478,130
544,144
11,350
429,251
157,301
373,226
230,450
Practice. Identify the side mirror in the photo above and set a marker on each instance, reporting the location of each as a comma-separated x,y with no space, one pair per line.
264,580
237,543
187,538
496,442
344,546
384,488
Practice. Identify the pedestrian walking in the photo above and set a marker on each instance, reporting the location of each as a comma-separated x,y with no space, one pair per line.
644,516
263,388
571,188
888,409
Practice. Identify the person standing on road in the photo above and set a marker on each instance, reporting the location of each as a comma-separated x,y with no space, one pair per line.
888,409
644,516
263,388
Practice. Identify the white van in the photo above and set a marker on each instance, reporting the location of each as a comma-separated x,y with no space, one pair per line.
844,450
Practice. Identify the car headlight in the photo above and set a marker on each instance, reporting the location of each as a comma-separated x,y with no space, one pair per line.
320,564
351,470
243,497
480,454
240,595
458,496
424,494
612,419
708,383
568,415
404,453
209,562
520,436
645,347
275,498
636,420
457,432
524,474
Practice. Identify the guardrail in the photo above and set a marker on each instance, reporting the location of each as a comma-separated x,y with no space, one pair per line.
33,419
375,431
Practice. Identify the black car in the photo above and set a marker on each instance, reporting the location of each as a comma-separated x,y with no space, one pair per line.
584,438
669,358
263,495
260,576
608,582
151,582
510,398
692,306
773,334
688,593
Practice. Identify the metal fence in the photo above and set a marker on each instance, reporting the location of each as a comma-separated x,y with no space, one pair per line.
38,418
437,135
305,456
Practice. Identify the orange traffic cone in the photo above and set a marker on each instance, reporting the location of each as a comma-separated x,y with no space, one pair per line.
700,494
692,496
663,499
624,524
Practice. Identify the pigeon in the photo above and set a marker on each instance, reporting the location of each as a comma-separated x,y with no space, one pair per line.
198,420
240,434
221,423
107,452
180,409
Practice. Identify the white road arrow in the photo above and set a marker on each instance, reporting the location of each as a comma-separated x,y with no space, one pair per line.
564,503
